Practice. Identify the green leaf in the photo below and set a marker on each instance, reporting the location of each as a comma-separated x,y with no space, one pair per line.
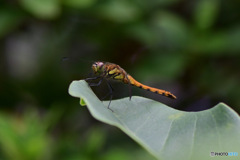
82,103
206,13
170,28
45,9
24,137
165,132
119,11
79,3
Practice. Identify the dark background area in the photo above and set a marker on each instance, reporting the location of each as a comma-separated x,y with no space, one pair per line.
188,47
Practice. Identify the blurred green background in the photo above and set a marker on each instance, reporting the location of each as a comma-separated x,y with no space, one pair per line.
188,47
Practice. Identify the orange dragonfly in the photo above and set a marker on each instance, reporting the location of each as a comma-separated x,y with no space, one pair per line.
106,70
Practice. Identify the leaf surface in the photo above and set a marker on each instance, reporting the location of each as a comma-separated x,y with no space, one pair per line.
165,132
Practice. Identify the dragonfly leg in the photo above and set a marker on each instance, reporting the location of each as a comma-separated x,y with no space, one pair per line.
110,93
92,78
130,91
96,84
130,88
89,80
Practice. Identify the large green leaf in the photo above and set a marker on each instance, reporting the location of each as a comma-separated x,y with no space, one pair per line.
45,9
168,134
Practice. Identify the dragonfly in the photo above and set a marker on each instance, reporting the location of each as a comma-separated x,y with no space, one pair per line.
111,71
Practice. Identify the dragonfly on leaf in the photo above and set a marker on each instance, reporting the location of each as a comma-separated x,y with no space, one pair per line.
106,70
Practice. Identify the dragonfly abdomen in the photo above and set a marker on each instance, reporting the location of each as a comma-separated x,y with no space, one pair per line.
151,89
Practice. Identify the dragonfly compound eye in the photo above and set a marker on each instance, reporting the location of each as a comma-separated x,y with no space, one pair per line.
97,66
94,67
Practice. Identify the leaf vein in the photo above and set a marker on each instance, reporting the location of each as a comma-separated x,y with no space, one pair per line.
218,133
165,141
145,121
193,137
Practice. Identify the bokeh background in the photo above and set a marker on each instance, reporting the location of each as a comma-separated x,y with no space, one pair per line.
188,47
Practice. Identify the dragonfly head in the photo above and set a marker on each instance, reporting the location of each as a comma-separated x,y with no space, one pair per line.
98,67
